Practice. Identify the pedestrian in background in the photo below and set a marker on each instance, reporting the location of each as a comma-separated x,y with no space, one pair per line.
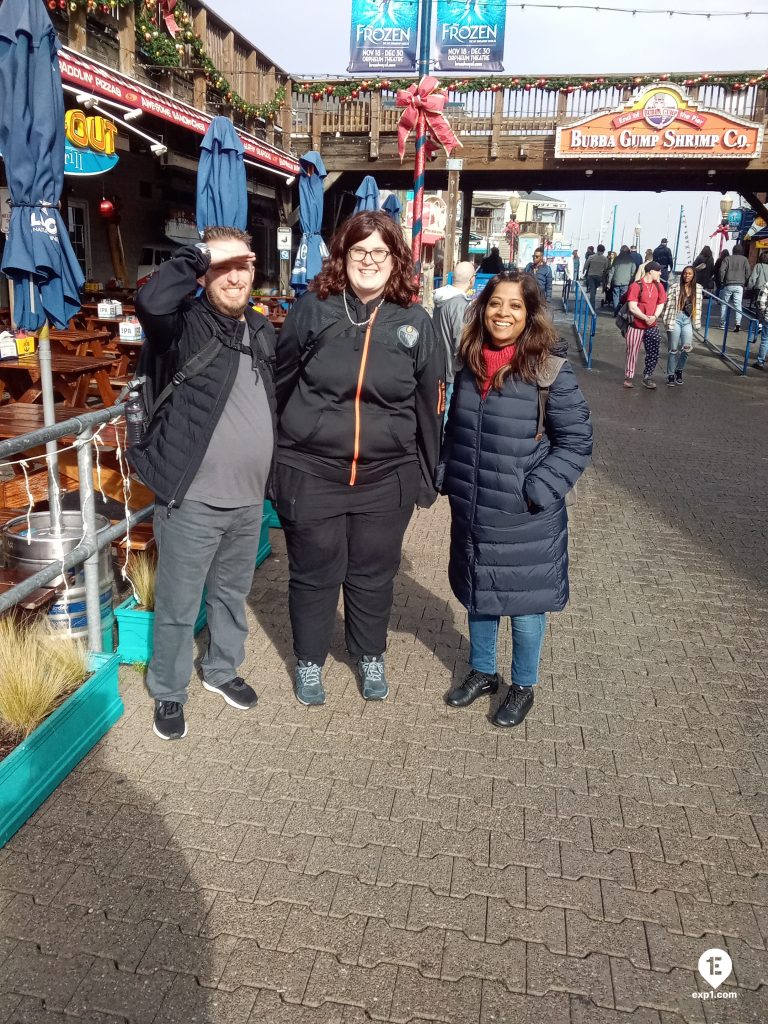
542,272
758,282
597,265
361,397
735,271
662,254
512,451
589,253
646,300
448,320
681,316
573,265
492,264
718,271
704,266
637,259
641,269
620,276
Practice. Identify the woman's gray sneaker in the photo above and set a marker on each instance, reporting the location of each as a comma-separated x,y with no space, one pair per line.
371,669
308,683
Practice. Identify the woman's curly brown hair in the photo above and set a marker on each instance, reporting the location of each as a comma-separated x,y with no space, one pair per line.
533,345
332,279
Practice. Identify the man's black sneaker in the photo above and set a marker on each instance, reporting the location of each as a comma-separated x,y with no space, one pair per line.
759,366
237,693
670,380
678,376
516,706
737,328
169,721
477,684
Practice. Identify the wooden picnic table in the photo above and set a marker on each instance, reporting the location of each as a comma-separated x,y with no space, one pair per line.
81,342
72,377
17,418
10,577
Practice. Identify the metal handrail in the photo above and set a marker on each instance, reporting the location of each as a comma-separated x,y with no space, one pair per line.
87,551
753,330
585,322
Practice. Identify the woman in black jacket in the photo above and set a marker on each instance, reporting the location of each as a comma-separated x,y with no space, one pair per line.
704,266
361,395
518,438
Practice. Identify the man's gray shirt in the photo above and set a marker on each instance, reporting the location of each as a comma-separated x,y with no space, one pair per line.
236,465
449,323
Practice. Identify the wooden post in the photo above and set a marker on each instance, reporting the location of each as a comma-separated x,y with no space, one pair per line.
199,84
498,109
76,32
126,37
450,219
466,221
375,108
286,115
317,124
250,95
285,202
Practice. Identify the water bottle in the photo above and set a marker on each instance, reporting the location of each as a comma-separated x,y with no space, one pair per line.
135,418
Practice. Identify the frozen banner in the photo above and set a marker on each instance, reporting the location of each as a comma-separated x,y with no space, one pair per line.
383,37
470,35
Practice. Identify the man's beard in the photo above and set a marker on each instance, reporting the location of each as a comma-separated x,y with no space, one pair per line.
232,308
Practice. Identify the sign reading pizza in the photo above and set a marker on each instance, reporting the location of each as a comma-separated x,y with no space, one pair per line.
660,121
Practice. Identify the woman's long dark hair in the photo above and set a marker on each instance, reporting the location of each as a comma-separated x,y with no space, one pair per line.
705,254
687,291
533,345
332,279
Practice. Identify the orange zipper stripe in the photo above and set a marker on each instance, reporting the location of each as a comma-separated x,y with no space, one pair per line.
360,379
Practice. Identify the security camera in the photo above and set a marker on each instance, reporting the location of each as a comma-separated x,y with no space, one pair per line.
133,115
158,149
290,180
85,100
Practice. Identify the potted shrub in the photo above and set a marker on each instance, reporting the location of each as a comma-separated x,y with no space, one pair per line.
56,702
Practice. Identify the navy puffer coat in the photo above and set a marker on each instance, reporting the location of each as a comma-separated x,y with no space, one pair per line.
508,559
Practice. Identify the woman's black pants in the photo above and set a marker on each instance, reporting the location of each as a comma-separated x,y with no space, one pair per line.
348,537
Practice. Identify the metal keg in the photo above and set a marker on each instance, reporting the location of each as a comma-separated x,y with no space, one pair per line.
30,550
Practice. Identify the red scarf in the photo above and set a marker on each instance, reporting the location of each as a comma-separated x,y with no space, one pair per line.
494,359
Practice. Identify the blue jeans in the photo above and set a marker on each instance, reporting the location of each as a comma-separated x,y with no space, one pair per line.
527,640
732,293
681,332
762,353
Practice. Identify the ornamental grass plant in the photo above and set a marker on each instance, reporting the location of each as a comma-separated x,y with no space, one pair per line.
38,671
141,570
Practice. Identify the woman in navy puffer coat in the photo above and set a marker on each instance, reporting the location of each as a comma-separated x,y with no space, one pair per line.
507,483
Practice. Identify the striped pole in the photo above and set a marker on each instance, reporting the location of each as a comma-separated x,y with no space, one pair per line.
425,31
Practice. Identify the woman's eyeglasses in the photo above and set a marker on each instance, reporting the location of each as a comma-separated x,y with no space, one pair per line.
357,255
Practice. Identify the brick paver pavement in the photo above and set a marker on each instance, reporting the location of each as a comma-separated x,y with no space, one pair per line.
404,862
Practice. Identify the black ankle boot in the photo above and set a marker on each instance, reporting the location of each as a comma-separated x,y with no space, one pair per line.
516,706
477,684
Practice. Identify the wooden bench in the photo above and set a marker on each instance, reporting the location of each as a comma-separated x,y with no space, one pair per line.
34,601
142,538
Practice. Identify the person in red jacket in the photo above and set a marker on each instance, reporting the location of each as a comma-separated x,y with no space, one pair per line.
646,299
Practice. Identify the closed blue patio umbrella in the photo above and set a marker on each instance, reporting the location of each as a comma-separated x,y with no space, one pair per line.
38,256
392,207
312,250
222,199
367,195
45,276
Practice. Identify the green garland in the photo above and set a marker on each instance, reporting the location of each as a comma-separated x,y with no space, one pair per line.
352,89
161,50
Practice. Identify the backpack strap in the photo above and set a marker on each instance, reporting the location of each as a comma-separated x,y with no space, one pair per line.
545,378
196,364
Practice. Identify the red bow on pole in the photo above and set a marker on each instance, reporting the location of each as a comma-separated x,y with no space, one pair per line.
166,9
423,98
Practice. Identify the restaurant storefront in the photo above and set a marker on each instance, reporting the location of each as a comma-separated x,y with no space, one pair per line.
131,170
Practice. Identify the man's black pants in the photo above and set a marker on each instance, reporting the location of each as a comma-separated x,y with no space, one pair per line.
341,536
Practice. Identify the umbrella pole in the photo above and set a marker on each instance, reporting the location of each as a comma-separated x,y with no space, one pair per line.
49,418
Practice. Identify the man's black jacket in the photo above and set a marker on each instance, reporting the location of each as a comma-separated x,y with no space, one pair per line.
176,327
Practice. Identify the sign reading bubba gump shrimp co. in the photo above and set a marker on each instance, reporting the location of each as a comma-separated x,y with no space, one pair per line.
660,121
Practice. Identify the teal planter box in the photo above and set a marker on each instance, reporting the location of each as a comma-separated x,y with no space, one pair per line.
135,628
34,769
270,514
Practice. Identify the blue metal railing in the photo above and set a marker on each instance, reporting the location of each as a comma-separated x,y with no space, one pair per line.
720,346
585,322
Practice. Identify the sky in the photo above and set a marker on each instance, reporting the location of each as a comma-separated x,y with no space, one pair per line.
563,39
